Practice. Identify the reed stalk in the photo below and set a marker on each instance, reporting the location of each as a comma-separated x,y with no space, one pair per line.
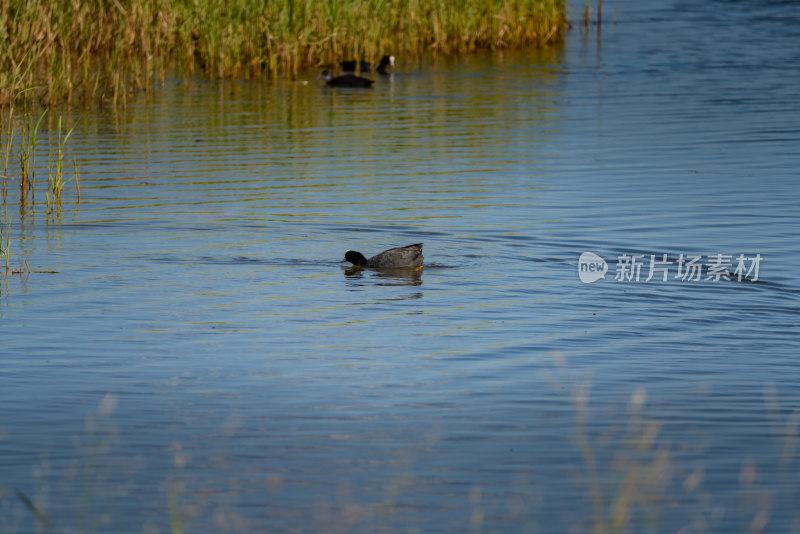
586,15
6,152
76,177
3,190
55,174
27,160
5,232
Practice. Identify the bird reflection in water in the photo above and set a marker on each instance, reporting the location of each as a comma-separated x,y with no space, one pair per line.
386,277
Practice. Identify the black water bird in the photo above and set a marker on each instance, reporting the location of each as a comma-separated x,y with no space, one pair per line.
409,257
345,80
386,61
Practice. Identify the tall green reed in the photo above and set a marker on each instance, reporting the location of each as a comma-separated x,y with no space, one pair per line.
20,139
55,173
107,50
5,233
5,150
27,158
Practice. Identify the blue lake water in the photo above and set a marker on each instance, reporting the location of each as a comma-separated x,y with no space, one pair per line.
203,362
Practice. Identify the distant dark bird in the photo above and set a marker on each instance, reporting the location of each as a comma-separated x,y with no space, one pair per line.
345,80
394,258
386,61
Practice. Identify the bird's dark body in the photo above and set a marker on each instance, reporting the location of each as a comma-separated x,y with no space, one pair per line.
346,80
409,257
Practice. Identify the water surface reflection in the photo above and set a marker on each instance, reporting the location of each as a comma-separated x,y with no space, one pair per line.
202,350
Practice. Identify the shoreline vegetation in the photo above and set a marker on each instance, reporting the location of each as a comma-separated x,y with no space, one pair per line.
104,51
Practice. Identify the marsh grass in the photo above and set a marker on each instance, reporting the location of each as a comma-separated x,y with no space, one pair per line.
107,50
633,478
637,479
55,174
20,141
6,149
5,221
5,233
27,158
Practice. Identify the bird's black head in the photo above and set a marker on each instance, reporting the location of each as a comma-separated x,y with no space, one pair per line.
356,258
386,61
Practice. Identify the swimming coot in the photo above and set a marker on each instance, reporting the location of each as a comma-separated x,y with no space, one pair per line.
386,61
345,80
394,258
